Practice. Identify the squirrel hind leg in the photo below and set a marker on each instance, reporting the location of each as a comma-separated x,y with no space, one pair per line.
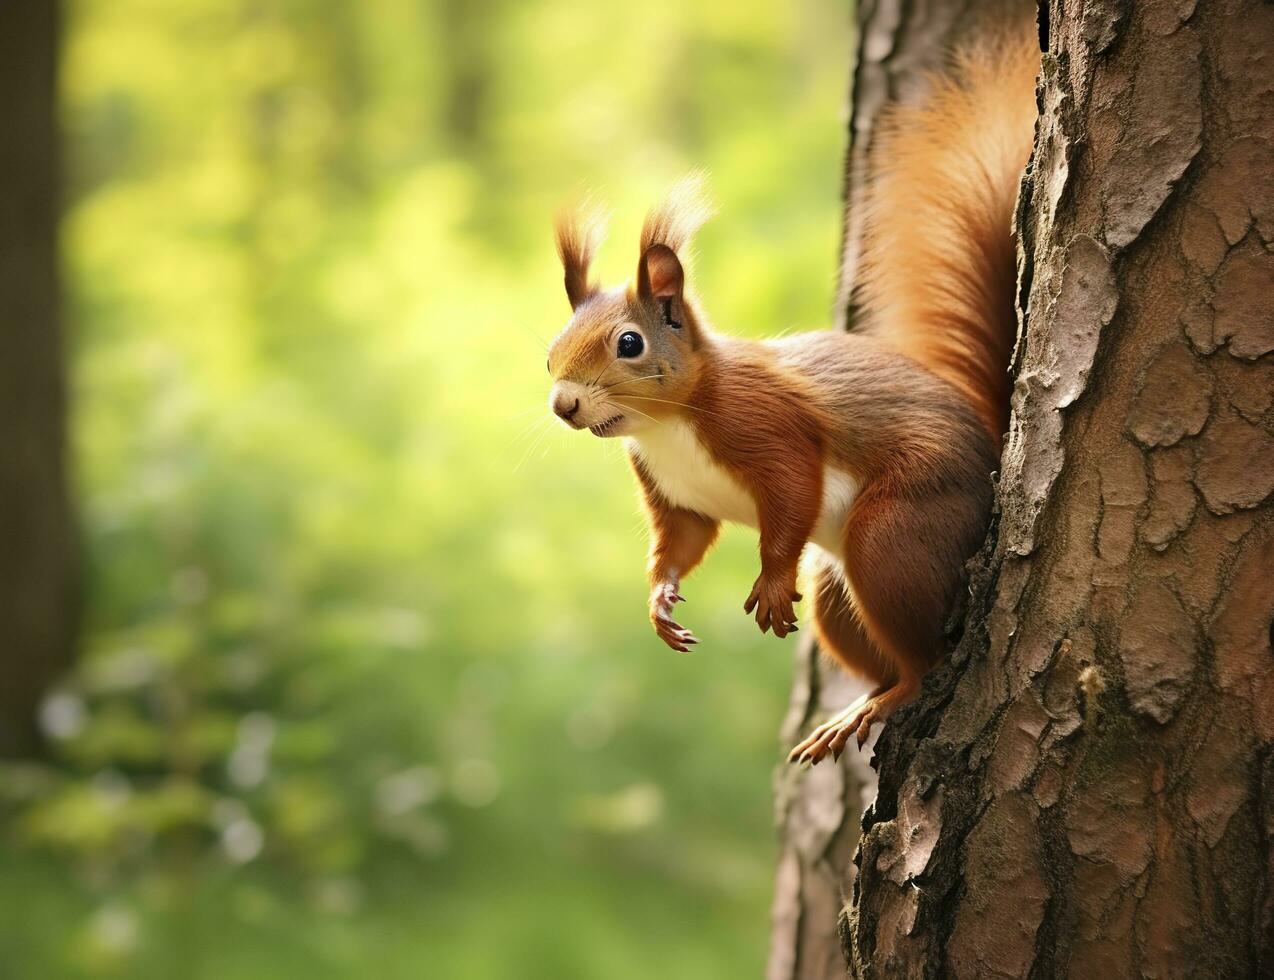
904,564
842,637
884,618
840,630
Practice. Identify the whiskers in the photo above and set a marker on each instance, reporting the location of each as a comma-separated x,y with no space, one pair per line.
545,424
535,336
649,398
625,381
600,374
666,401
632,408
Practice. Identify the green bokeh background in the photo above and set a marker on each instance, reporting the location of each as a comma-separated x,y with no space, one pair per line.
367,687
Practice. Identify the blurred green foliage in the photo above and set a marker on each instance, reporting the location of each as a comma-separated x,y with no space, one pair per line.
367,684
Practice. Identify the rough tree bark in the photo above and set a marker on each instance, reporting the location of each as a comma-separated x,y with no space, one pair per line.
818,811
36,593
1087,788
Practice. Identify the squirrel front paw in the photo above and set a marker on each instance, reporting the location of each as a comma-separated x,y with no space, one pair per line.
662,598
772,599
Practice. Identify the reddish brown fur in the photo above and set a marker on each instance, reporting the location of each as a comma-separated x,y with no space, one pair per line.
578,235
938,286
775,448
679,540
840,629
912,408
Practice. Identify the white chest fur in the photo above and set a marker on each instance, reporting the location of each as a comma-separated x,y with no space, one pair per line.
689,477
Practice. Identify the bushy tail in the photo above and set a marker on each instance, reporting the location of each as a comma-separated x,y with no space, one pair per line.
939,269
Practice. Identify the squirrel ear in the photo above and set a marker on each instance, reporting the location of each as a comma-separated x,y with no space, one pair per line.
660,275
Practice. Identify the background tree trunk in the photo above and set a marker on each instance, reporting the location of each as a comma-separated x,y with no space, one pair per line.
1087,789
899,41
36,593
818,810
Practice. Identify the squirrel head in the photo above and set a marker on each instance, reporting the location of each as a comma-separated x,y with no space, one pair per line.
630,356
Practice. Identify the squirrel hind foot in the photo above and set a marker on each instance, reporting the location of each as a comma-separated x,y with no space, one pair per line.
854,721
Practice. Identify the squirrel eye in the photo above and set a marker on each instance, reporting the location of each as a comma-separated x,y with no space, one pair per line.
548,365
630,344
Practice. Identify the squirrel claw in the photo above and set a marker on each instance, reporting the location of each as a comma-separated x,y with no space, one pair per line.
855,722
662,598
677,637
772,601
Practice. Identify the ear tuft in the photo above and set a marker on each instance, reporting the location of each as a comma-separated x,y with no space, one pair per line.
682,213
665,238
579,231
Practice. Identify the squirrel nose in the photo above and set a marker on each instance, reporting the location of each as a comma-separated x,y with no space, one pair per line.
565,407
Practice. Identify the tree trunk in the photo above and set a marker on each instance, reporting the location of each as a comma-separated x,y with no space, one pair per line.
818,811
1087,788
818,816
36,593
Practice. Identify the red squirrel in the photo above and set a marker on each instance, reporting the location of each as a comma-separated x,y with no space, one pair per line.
877,446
